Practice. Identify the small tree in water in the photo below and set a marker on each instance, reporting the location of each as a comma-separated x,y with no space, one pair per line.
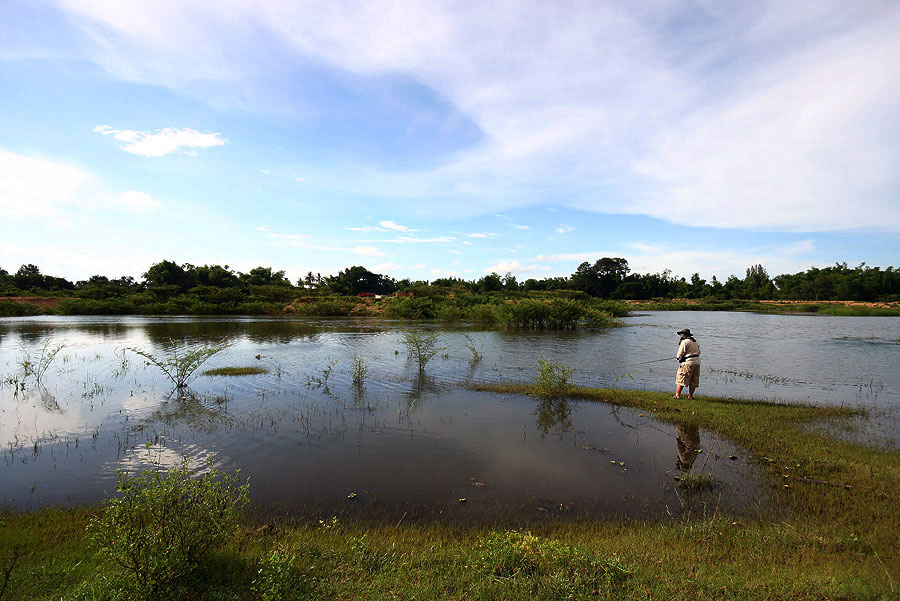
180,362
421,347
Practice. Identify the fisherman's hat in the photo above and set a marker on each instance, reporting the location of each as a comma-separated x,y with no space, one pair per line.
685,332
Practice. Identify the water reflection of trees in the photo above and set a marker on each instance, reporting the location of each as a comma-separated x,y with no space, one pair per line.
553,414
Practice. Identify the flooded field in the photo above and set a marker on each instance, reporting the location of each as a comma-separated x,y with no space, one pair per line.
393,443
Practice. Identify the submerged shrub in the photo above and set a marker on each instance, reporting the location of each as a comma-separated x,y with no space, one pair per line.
553,379
165,523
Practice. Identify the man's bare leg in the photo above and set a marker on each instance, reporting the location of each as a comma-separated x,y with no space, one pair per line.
691,392
678,390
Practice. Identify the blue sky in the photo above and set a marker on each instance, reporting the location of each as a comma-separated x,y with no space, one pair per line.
429,139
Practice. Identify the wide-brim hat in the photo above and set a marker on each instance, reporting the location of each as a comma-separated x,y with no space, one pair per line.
684,332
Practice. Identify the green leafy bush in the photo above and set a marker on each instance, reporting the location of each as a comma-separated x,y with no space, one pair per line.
180,362
165,523
553,379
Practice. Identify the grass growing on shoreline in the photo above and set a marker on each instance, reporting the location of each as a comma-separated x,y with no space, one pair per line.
824,540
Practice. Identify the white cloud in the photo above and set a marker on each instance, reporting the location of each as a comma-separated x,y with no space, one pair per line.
287,236
565,229
32,186
768,114
414,240
160,142
483,235
511,267
395,226
138,201
367,251
300,179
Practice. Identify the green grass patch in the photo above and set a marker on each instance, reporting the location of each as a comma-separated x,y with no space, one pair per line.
235,371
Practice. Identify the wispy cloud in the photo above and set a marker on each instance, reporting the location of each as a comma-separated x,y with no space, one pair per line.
483,235
138,201
395,226
565,229
160,142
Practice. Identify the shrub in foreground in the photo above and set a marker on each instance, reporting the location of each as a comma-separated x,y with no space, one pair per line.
165,523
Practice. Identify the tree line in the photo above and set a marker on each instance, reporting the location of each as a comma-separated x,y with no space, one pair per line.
606,278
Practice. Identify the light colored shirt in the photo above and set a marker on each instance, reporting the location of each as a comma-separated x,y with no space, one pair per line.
689,347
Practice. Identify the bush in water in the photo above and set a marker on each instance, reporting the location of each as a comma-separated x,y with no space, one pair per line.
553,379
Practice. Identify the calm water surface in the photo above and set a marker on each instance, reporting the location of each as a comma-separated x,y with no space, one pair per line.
408,445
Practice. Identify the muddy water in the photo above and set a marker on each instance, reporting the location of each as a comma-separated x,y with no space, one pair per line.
315,444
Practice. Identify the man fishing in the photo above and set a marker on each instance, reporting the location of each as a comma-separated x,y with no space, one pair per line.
689,358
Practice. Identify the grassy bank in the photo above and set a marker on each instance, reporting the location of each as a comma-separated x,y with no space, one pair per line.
833,535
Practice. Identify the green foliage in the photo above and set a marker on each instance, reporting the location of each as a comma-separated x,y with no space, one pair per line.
557,570
421,347
278,578
552,380
180,362
12,309
411,307
165,523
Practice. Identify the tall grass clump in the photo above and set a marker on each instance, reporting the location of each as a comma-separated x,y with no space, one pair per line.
165,523
179,362
552,380
421,347
37,365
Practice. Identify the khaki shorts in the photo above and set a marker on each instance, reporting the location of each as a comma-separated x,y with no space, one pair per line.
688,375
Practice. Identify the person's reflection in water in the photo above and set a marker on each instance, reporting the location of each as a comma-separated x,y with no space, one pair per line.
687,441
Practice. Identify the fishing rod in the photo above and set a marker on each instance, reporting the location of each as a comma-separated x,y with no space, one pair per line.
647,362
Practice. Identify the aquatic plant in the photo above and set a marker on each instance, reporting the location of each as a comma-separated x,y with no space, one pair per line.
477,352
180,362
553,379
697,481
358,370
166,522
37,366
421,347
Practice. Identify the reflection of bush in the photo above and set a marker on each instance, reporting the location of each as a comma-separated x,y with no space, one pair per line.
553,414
